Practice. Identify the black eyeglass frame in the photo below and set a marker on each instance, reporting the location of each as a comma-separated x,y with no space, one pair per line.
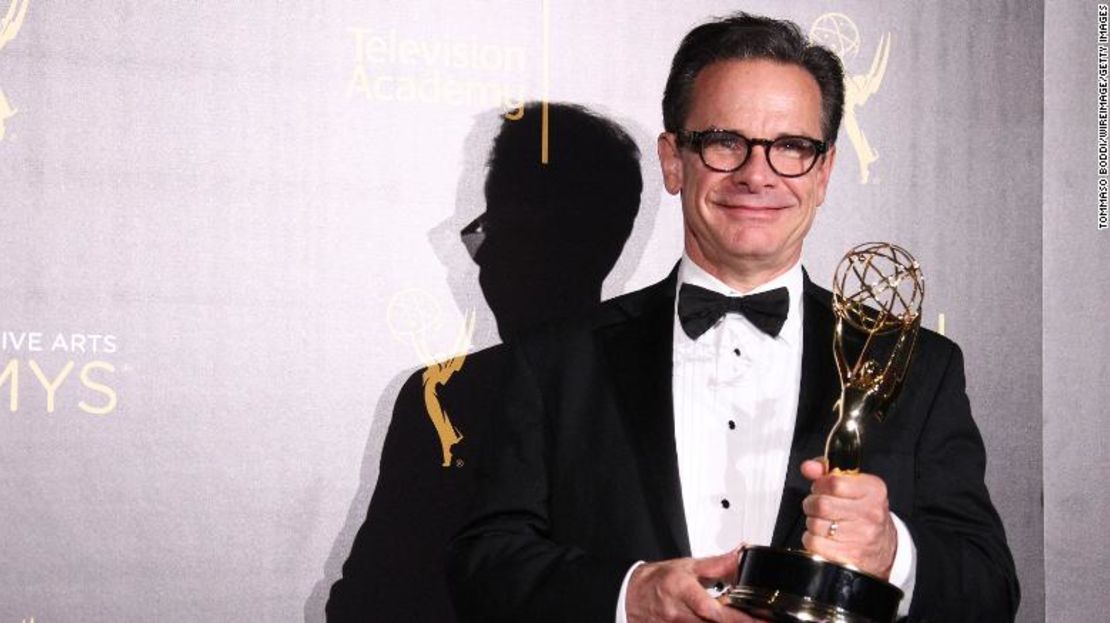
696,140
473,236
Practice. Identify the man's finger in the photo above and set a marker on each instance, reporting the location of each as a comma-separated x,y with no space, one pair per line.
813,469
855,486
827,548
716,611
707,608
823,527
714,568
829,507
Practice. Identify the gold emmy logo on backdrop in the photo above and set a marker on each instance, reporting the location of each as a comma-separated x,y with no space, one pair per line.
411,315
837,32
9,28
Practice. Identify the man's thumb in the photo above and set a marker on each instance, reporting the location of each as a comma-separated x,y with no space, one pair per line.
722,567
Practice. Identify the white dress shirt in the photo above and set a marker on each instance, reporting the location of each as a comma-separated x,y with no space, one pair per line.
735,393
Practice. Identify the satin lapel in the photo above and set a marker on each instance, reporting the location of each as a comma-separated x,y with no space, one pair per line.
639,352
819,391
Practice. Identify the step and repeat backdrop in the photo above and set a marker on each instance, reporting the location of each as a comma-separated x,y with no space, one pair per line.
240,295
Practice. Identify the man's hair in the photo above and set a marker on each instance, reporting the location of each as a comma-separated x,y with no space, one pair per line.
743,36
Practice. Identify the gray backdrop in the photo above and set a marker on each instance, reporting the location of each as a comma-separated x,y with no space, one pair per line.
239,222
1076,290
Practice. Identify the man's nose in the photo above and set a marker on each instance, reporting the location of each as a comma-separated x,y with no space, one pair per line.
757,171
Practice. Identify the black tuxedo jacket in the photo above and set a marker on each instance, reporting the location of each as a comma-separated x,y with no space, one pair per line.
580,476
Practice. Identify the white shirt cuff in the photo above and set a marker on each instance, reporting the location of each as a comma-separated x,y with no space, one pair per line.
622,613
903,573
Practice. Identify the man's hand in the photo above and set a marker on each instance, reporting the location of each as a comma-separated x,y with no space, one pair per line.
857,504
674,590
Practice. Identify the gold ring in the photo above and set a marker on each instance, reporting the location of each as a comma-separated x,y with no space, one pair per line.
833,528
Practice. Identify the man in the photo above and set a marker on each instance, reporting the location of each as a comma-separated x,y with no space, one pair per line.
638,448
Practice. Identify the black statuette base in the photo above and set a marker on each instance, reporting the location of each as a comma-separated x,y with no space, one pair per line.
788,586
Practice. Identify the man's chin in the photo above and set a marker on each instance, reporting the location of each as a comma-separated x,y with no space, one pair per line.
753,246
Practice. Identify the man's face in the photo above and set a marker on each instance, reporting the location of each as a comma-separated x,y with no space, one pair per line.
747,227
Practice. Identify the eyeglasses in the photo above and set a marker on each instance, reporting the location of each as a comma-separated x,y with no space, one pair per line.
474,234
725,151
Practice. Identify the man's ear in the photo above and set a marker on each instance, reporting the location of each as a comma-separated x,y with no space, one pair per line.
670,160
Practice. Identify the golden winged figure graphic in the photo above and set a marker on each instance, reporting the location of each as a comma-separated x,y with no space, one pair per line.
840,34
9,28
411,315
12,21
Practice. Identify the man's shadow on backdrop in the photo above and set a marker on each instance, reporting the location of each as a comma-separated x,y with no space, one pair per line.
550,235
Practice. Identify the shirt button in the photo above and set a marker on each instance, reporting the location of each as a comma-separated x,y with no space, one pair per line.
731,425
724,504
736,351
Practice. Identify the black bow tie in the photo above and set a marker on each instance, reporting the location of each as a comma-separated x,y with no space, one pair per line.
699,309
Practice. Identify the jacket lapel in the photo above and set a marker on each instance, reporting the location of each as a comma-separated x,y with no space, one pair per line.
819,391
638,349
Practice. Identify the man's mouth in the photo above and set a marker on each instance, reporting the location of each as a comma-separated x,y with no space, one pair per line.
749,208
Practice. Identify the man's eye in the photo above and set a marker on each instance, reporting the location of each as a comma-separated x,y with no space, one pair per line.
794,146
724,141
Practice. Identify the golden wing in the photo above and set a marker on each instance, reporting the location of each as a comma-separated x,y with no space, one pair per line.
13,20
866,85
